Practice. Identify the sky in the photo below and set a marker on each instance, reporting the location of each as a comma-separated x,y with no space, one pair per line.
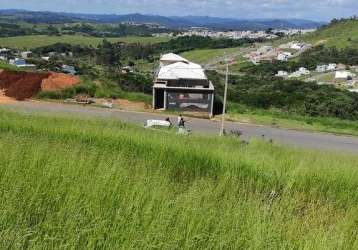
320,10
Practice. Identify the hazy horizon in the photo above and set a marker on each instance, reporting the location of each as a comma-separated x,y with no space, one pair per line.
323,10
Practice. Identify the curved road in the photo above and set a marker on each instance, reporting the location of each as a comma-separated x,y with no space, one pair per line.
321,141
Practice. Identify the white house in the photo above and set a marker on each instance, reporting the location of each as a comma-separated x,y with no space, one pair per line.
322,68
300,72
26,54
69,69
4,50
296,46
344,74
304,71
331,67
183,86
17,61
171,58
282,73
284,56
4,53
295,74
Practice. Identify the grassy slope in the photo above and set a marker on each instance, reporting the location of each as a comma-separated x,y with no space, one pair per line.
340,35
337,35
6,66
42,40
203,56
101,184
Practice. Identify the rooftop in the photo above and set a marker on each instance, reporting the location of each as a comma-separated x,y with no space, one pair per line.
171,57
182,70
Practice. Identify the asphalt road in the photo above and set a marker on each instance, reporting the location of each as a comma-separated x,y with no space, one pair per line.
321,141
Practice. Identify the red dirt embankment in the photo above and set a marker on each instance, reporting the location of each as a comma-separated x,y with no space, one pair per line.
58,81
22,85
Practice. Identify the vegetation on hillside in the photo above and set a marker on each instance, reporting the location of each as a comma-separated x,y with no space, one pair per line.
325,55
10,27
294,96
339,33
104,64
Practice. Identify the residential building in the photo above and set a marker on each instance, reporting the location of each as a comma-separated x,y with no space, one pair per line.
284,56
282,73
344,74
183,86
21,63
300,72
331,67
26,54
4,53
304,71
171,58
321,68
69,69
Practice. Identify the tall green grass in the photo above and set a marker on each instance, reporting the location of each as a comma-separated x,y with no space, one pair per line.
84,183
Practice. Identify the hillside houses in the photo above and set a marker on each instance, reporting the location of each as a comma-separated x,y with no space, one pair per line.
182,85
284,56
302,71
282,73
4,53
295,45
282,53
326,67
236,34
26,54
226,34
69,69
264,53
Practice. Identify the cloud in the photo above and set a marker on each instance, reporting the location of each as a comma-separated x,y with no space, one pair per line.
311,9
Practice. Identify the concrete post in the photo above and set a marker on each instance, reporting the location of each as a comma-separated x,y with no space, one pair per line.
165,99
153,101
212,105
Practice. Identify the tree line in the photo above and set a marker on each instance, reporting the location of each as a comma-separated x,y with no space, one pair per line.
108,53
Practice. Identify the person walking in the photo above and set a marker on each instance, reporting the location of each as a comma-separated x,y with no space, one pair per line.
169,121
180,121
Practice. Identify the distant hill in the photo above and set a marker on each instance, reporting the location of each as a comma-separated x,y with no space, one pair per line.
36,16
339,34
171,22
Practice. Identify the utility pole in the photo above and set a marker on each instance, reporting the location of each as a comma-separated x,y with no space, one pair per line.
225,96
